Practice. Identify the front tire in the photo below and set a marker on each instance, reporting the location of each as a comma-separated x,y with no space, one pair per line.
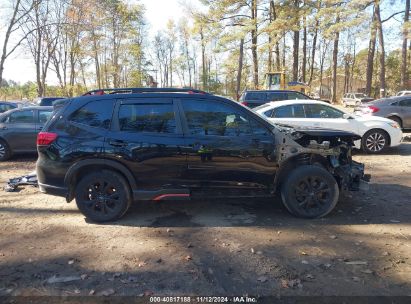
5,152
310,192
103,196
374,141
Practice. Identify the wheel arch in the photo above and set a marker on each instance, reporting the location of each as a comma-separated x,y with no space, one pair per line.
298,160
75,172
381,130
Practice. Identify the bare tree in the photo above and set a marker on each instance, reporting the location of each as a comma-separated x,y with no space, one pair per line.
19,14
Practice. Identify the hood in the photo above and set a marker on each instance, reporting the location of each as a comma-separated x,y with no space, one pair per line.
320,132
369,118
327,133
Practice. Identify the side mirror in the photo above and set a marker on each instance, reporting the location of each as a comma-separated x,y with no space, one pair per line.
347,116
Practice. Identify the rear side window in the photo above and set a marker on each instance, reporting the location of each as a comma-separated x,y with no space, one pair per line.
21,117
44,116
153,118
94,114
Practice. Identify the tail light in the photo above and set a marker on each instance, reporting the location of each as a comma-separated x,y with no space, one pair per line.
244,103
45,138
370,109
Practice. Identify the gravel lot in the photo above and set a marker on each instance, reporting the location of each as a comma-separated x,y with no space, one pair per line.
224,247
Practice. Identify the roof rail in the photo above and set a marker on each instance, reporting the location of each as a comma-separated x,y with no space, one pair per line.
143,90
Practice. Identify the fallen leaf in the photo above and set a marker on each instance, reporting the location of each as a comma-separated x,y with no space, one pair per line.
54,279
309,276
70,262
303,253
284,283
356,263
385,253
84,276
188,258
333,237
190,245
92,292
107,292
262,279
76,291
142,264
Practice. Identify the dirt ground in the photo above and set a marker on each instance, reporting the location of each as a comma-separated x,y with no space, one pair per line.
224,247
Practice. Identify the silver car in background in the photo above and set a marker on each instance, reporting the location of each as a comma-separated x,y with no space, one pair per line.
355,99
396,108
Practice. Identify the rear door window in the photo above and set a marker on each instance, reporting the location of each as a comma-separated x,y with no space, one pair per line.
276,96
296,95
260,96
26,116
147,118
405,103
290,111
321,111
214,118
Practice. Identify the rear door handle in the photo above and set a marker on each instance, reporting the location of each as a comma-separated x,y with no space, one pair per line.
117,143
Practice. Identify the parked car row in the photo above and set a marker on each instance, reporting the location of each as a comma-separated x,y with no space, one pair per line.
19,128
376,133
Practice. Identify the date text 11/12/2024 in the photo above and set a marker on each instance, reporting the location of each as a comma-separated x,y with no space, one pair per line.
205,299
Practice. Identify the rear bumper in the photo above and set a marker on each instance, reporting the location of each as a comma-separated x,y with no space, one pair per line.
396,137
53,190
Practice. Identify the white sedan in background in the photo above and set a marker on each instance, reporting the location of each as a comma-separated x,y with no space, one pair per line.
376,133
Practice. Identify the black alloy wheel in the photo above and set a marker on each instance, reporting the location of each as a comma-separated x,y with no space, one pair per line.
103,196
310,192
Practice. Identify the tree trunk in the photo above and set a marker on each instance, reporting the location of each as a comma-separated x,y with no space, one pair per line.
296,44
404,78
304,65
335,62
254,42
240,69
371,54
382,49
313,52
203,58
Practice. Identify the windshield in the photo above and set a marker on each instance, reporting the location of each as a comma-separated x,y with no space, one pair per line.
360,95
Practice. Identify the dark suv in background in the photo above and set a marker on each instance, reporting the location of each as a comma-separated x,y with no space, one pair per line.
257,98
114,147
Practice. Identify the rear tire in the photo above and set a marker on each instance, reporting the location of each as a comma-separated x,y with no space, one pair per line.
374,141
5,152
310,192
103,196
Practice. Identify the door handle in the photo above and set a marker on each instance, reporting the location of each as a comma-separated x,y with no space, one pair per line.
117,143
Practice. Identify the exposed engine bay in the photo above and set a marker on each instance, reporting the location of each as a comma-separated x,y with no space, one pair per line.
328,148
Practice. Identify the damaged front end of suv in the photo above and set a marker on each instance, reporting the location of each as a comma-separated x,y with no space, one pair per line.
314,166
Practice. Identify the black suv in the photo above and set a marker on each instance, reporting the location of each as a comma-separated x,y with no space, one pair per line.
108,150
257,98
